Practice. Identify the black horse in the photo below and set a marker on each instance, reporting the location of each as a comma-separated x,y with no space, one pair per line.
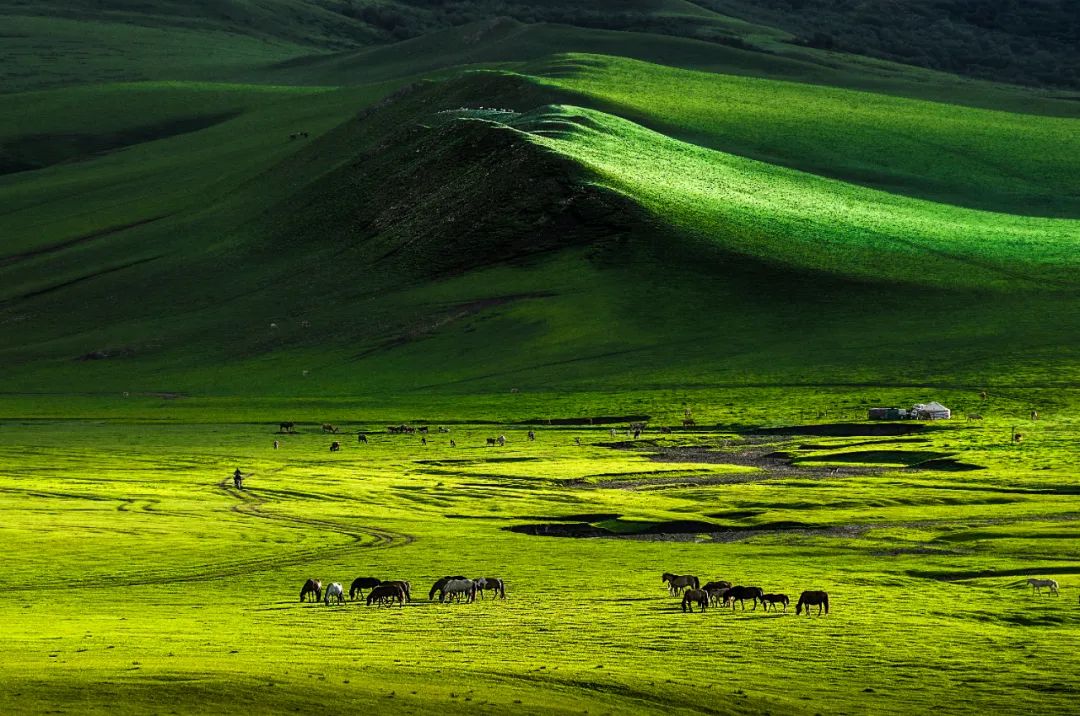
286,427
388,593
438,587
335,446
740,593
360,584
775,599
361,438
812,598
311,588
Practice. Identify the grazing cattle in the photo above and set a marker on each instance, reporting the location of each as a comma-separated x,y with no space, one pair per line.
360,584
695,596
740,594
774,599
388,593
361,438
335,446
811,598
311,588
1038,584
335,592
328,428
286,427
678,582
491,442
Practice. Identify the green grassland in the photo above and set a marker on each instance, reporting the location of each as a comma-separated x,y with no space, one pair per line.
218,216
156,587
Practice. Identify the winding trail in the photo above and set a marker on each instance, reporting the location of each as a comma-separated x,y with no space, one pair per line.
250,505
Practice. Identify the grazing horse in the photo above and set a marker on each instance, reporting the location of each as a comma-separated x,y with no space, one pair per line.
678,582
491,442
775,599
1038,584
334,591
809,599
740,593
716,589
440,585
286,427
361,438
328,428
388,593
360,584
532,435
312,587
424,429
459,588
695,596
493,583
335,446
502,441
406,587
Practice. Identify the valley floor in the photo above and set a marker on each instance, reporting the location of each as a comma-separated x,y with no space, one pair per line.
137,579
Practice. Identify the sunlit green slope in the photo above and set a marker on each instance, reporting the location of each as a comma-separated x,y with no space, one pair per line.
423,245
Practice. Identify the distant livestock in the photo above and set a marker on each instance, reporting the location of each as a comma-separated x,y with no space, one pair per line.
311,591
335,446
287,427
811,598
678,582
334,592
1038,584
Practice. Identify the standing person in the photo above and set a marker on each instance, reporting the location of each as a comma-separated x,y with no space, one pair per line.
238,479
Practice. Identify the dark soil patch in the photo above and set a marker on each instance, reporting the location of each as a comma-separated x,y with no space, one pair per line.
847,429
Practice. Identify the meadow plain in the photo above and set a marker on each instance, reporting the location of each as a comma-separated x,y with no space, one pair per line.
158,586
216,217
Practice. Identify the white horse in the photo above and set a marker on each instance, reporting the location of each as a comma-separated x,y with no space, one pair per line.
460,588
1038,584
335,591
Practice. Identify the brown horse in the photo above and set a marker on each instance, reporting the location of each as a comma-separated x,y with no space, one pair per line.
678,582
406,587
716,589
811,598
739,594
774,599
287,427
389,593
695,596
360,584
311,588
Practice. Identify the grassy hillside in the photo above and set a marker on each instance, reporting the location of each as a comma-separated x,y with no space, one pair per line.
421,244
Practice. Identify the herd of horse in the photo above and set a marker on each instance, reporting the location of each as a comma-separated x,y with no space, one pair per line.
724,593
391,591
